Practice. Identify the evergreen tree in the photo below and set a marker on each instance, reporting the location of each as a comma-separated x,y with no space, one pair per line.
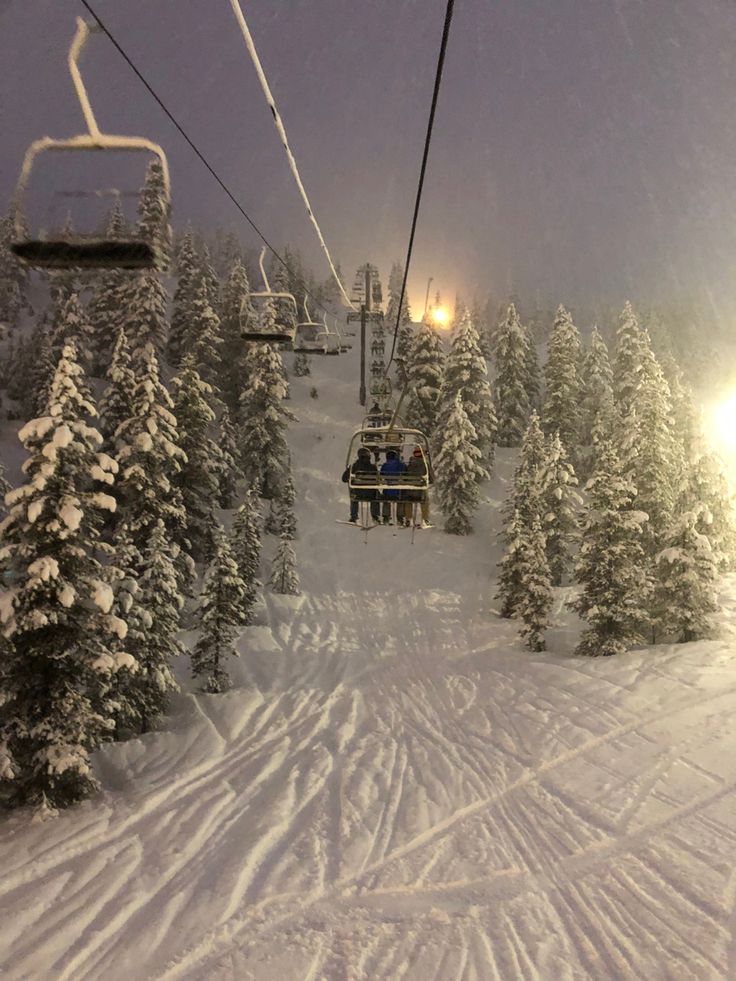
107,308
13,277
685,596
466,374
459,471
56,619
597,387
210,279
611,568
707,494
154,210
272,525
150,458
71,326
227,469
203,339
145,310
301,365
526,497
186,268
559,504
247,549
196,478
5,489
535,588
223,595
631,342
563,388
512,398
283,311
264,420
160,601
285,512
235,307
511,566
284,577
404,340
37,373
531,365
425,370
116,404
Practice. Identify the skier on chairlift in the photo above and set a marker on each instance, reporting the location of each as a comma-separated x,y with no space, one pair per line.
363,465
393,468
417,468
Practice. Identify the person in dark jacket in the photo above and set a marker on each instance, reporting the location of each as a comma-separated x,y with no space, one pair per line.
417,468
392,469
366,467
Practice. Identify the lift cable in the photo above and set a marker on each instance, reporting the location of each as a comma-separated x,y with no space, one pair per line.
427,141
239,16
194,147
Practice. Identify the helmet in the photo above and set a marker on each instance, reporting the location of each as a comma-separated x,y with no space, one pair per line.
391,454
364,451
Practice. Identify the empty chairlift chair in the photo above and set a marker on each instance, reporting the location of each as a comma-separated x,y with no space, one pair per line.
270,325
72,249
311,337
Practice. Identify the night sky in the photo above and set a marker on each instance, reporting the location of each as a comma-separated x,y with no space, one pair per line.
582,148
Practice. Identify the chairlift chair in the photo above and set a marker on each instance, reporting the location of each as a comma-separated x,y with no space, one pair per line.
86,251
381,439
267,328
311,337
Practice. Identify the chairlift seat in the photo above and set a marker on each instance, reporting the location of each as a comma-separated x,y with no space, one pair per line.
86,253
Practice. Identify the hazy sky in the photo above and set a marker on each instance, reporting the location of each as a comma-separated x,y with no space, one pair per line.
582,147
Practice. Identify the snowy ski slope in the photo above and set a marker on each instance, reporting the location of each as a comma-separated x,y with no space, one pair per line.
397,789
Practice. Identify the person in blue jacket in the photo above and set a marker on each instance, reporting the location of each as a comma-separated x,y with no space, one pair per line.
392,469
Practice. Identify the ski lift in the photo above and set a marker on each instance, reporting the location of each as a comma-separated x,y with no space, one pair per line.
73,250
311,337
268,327
380,387
404,442
342,344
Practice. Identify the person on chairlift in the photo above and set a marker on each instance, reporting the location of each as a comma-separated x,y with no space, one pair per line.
417,468
362,465
393,468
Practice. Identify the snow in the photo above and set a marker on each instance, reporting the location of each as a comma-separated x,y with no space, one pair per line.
103,595
396,788
71,515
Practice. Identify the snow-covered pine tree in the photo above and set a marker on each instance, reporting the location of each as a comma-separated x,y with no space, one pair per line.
510,588
559,508
38,373
226,461
5,488
707,494
284,576
466,374
282,309
160,601
531,363
597,386
272,525
264,420
425,369
479,316
535,586
459,471
71,326
210,279
196,478
116,404
611,568
203,339
406,330
631,342
107,308
685,596
221,610
186,269
247,549
150,458
651,465
235,306
145,310
154,212
563,387
512,398
286,513
302,367
13,277
56,618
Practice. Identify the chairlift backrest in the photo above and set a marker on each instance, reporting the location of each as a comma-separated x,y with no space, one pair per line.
77,250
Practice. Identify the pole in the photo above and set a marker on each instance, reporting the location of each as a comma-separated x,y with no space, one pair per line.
361,394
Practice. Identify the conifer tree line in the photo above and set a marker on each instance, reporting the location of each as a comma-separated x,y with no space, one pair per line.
617,487
104,543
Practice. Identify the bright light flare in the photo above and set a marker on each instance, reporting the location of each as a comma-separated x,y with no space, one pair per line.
440,316
722,426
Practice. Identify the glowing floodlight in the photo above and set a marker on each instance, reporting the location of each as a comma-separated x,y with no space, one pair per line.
722,426
440,316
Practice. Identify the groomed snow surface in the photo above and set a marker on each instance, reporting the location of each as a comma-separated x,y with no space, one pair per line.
396,788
